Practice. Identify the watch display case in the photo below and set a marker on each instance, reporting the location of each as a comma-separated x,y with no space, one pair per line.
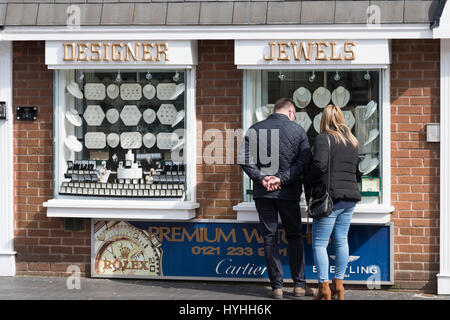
357,92
120,130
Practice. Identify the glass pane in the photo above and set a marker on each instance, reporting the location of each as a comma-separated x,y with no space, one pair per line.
358,93
125,134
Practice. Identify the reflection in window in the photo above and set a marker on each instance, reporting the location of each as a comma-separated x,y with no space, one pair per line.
357,93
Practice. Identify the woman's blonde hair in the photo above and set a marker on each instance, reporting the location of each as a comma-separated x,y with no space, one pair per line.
333,123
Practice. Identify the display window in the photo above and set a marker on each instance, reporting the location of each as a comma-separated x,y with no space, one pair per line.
359,94
121,134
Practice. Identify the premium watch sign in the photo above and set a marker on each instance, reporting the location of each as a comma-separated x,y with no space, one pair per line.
119,54
227,250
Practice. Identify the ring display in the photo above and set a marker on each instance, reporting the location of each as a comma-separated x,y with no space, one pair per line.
112,115
165,91
149,116
113,140
130,115
112,91
166,113
73,144
130,140
94,115
123,156
95,140
94,91
149,91
74,90
130,91
73,117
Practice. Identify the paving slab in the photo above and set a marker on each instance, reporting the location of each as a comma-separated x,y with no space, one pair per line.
56,288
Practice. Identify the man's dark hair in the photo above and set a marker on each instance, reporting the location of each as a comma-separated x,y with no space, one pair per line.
282,103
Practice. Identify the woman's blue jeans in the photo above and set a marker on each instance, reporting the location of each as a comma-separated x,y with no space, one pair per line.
335,225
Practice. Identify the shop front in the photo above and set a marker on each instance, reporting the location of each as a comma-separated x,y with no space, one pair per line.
123,112
127,166
353,75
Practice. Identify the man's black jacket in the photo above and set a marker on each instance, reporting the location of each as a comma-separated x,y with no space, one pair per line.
275,146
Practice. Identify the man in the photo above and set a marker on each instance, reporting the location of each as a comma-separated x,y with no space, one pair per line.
272,154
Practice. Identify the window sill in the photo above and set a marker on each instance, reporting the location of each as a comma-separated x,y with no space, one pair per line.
121,209
364,214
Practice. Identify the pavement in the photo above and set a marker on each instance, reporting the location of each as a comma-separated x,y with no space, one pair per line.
60,288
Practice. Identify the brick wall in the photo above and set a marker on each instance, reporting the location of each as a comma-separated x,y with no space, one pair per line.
45,248
42,245
415,162
219,107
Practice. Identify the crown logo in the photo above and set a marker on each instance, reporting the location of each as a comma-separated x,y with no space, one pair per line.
124,252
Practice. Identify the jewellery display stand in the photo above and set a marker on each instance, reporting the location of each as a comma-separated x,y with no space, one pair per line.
363,128
311,91
303,119
302,97
148,126
321,97
340,97
113,91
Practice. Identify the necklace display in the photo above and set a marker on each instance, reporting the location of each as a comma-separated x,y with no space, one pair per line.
340,97
321,97
303,120
302,97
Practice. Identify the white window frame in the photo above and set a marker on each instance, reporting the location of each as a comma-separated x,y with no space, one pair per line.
364,213
110,208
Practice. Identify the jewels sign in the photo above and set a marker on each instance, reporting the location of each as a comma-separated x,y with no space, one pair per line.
260,54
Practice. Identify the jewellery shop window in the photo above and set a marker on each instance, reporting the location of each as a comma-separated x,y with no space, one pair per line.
121,134
357,93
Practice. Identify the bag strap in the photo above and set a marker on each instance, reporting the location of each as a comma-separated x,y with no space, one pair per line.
329,162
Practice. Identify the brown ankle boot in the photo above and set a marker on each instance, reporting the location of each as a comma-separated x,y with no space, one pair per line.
337,289
324,292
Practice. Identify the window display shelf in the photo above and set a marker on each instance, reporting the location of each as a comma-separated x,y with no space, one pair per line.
363,214
120,209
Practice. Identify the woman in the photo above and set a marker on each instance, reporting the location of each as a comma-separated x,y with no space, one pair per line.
343,190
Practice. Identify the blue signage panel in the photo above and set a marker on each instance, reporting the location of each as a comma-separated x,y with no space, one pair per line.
224,250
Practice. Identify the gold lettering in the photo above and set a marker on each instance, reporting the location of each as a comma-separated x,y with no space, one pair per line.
333,52
106,55
81,51
195,233
321,51
272,52
282,55
154,231
107,264
231,235
66,51
114,52
135,265
176,234
348,49
302,50
147,51
165,233
134,54
95,49
160,51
